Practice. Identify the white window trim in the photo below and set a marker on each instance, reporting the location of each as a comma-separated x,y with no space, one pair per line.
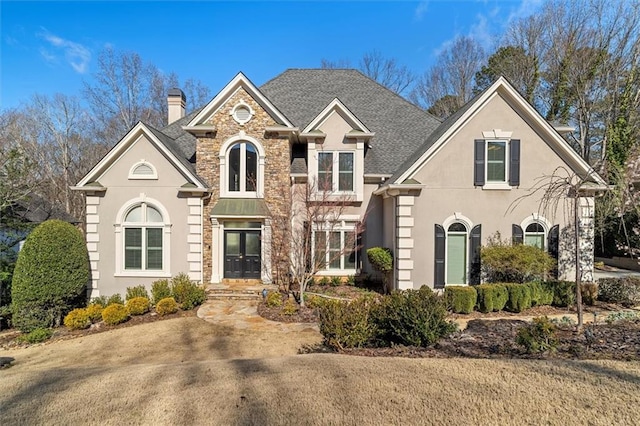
335,172
536,218
242,104
496,185
224,168
119,227
133,176
345,225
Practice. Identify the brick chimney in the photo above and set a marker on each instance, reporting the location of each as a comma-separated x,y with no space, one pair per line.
176,101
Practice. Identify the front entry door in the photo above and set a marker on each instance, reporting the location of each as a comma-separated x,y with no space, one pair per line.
241,254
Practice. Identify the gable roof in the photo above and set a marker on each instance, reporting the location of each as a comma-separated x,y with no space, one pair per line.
167,145
443,133
336,106
399,126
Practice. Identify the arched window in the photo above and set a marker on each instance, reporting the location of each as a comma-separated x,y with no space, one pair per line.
143,238
243,168
143,170
534,235
456,261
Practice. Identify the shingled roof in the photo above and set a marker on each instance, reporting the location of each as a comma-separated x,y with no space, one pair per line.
400,127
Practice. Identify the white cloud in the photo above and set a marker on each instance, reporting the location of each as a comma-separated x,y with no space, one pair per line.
75,54
421,9
526,8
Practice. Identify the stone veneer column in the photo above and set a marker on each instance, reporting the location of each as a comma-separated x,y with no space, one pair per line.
194,239
216,273
93,239
404,241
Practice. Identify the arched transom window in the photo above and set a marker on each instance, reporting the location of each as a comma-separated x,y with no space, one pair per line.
143,238
243,168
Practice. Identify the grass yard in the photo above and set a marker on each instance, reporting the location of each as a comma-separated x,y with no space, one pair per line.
187,371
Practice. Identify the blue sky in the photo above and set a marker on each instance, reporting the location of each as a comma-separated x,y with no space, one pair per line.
49,47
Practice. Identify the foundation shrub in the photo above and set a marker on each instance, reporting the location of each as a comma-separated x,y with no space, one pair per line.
160,289
313,301
624,291
519,297
460,299
137,291
540,294
503,262
336,281
324,281
290,307
138,306
538,336
166,306
346,324
187,293
94,310
564,292
501,297
37,335
100,300
115,299
589,293
274,299
487,297
412,318
115,314
78,319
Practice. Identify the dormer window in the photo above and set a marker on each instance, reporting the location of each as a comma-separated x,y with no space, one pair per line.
336,171
242,113
143,170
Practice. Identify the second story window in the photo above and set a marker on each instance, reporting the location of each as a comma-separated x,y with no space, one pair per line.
243,168
496,161
336,171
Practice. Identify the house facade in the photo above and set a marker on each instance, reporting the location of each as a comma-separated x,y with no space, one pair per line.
207,194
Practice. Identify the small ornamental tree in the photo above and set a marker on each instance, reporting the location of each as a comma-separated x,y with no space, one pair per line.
382,261
50,277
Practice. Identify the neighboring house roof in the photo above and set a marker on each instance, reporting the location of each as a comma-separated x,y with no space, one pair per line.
35,209
399,126
443,133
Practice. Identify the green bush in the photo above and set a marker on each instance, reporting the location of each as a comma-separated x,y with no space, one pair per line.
351,280
564,292
313,301
166,306
624,291
460,299
37,335
137,291
347,324
115,314
503,262
519,297
100,300
160,289
589,293
115,299
336,281
187,293
290,307
274,299
138,306
491,297
411,317
381,259
501,297
78,319
541,295
324,281
94,310
538,336
50,276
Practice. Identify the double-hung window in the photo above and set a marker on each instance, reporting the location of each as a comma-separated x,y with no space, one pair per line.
143,229
335,246
497,163
336,171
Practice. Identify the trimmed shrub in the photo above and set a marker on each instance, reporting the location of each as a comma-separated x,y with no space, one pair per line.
460,299
501,297
138,306
160,289
100,300
50,276
274,299
519,297
347,324
381,259
166,306
313,301
290,307
624,291
488,297
538,336
94,311
37,335
412,318
137,291
540,294
503,262
564,292
336,281
589,293
115,314
187,293
78,319
115,299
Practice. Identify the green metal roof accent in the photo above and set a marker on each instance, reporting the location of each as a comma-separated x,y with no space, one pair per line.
410,182
189,185
249,207
94,183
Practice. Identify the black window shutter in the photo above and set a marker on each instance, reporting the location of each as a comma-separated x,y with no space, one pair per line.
514,164
517,236
554,239
439,252
478,169
474,254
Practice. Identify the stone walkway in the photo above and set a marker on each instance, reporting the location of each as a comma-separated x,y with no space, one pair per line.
243,314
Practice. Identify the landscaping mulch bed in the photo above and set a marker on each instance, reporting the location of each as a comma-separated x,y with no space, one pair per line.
275,314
